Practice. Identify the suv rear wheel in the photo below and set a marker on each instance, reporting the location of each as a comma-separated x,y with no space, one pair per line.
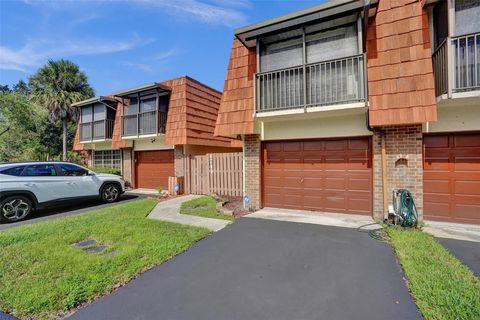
110,192
15,208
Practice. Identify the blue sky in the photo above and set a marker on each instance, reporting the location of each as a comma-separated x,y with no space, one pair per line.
124,43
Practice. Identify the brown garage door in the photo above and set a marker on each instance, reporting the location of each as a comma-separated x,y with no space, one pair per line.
152,168
333,175
451,177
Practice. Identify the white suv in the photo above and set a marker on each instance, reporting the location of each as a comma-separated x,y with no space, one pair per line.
26,186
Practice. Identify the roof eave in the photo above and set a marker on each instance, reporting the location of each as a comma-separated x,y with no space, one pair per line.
318,12
150,86
94,100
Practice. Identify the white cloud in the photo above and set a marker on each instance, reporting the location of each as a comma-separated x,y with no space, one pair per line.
147,64
141,66
165,55
219,12
205,12
36,52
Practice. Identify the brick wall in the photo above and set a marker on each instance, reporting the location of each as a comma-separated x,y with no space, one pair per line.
127,166
404,165
179,162
251,156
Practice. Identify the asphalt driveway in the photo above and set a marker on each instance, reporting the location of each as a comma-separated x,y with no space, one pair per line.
468,252
263,269
70,208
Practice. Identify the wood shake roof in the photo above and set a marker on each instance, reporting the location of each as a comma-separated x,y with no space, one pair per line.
192,114
235,115
400,74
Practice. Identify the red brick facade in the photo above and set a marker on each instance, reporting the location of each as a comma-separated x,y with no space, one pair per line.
251,158
404,165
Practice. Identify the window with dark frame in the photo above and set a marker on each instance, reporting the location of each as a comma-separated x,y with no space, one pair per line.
107,159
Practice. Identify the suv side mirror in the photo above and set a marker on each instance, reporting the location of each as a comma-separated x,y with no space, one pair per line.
91,173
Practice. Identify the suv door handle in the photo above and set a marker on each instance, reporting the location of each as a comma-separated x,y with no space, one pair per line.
69,182
29,184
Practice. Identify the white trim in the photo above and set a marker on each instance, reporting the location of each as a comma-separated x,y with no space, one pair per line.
267,114
152,135
466,94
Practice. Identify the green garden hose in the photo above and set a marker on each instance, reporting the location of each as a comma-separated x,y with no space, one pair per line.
404,208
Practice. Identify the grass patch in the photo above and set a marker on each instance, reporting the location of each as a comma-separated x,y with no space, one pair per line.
203,207
442,286
42,275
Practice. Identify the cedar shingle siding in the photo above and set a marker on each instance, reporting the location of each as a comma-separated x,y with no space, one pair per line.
400,74
192,113
235,115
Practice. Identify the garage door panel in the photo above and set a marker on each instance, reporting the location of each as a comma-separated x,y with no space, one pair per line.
469,213
440,210
358,144
328,175
359,184
152,168
313,146
437,186
361,205
468,140
436,141
467,187
452,177
335,184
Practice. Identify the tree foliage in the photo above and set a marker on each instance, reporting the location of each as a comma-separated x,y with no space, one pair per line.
57,85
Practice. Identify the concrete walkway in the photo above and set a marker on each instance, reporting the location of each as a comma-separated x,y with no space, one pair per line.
313,217
456,231
169,210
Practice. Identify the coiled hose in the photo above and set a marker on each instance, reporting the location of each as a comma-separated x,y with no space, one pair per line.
404,208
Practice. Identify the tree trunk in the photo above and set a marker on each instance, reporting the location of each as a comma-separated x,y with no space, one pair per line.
64,151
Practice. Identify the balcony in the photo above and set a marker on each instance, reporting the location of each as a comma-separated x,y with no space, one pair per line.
96,130
144,123
332,82
463,55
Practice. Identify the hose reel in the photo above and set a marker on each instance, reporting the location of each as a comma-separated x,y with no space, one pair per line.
404,209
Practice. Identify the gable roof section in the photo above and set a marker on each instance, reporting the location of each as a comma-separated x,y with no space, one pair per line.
235,115
400,74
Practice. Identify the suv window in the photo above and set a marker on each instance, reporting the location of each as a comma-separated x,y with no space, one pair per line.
13,171
73,170
40,170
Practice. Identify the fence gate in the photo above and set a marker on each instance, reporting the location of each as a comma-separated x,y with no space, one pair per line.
219,173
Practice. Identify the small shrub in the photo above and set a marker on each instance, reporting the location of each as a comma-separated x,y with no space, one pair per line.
105,170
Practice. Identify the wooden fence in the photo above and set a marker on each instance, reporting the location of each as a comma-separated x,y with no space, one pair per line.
219,173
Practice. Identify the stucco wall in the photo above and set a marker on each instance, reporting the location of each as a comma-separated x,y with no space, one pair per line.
345,126
153,143
455,118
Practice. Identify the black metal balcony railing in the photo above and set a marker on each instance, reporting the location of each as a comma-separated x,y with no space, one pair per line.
97,130
465,59
324,83
149,122
440,68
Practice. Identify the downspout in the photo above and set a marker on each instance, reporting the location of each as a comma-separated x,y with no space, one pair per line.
384,164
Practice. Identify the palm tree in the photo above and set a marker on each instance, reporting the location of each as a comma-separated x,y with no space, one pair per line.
56,86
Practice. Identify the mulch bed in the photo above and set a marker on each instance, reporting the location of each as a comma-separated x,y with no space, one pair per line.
234,204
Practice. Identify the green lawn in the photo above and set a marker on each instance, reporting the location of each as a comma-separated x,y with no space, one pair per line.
203,207
443,288
42,274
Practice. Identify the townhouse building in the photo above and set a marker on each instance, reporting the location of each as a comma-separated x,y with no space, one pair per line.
341,103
